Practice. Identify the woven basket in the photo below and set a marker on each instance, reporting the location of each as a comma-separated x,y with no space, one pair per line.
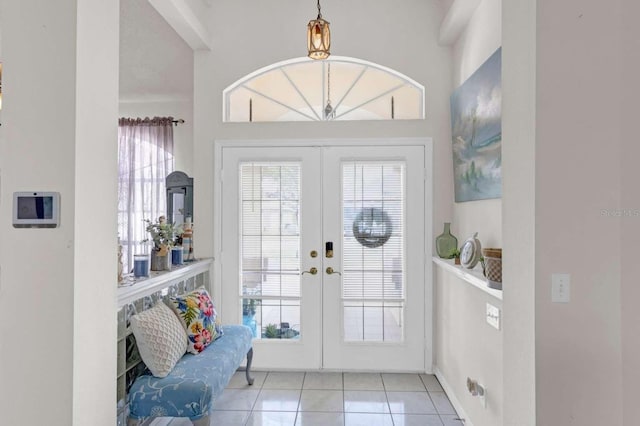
493,264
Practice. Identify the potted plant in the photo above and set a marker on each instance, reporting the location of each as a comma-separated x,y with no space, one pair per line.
163,235
271,331
455,254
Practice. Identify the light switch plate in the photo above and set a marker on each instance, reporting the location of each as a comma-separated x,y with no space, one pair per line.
560,288
493,316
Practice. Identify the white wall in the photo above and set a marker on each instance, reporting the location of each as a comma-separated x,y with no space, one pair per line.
578,157
182,133
406,41
481,38
57,289
518,210
630,225
466,346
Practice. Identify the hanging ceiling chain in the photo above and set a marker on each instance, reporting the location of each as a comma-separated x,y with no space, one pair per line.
329,111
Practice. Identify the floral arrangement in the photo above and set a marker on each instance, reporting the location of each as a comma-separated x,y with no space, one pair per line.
162,233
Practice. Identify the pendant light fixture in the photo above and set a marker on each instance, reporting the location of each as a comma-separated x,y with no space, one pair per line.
318,37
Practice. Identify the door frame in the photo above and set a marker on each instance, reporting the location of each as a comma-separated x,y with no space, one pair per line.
426,142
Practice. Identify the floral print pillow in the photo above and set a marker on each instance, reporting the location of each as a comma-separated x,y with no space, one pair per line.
199,318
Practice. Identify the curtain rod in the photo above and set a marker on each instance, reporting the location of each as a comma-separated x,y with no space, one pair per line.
178,121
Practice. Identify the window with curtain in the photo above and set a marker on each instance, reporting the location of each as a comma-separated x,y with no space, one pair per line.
145,158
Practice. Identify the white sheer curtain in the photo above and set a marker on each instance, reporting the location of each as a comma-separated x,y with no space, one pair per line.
145,158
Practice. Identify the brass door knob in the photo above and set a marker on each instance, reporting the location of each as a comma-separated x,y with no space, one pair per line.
330,271
311,271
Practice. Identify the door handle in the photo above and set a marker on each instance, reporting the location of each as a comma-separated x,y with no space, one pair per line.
311,271
330,271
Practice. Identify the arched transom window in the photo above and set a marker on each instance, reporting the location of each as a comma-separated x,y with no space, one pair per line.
338,88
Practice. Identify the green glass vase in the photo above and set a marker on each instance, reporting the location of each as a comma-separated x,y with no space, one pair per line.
446,243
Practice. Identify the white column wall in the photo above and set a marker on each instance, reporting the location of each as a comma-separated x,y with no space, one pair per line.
578,151
630,225
518,210
96,182
57,286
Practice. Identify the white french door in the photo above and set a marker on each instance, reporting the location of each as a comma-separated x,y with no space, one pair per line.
322,254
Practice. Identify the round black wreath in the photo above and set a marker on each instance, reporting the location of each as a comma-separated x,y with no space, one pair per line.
372,227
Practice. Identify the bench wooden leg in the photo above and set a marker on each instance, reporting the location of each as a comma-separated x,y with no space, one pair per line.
134,422
247,371
202,421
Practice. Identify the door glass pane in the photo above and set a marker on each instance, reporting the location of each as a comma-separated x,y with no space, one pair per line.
270,249
373,287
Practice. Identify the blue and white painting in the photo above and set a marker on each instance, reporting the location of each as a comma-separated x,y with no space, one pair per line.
476,129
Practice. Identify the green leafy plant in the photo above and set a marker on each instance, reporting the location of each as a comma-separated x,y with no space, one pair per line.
271,331
162,233
455,254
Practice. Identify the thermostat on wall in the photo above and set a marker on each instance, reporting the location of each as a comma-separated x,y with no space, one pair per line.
36,209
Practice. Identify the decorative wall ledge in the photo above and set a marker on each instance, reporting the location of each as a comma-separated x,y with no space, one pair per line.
156,281
472,276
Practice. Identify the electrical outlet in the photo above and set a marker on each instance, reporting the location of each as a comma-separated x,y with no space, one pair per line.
560,288
493,316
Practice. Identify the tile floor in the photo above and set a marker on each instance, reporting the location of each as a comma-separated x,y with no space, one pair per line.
328,399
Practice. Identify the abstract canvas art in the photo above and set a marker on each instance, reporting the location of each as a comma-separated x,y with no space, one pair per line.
476,130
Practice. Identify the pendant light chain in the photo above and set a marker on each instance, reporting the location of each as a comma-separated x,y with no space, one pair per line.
329,84
319,13
329,111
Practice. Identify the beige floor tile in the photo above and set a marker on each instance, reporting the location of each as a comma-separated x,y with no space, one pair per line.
431,383
365,402
363,381
416,420
442,403
271,418
307,418
326,381
277,400
239,381
367,419
321,400
282,380
410,403
402,382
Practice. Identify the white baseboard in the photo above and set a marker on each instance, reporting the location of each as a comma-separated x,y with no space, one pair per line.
452,397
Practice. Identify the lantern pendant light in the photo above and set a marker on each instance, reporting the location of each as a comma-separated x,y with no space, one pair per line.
318,37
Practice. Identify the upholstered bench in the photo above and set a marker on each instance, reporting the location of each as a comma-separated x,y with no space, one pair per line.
190,389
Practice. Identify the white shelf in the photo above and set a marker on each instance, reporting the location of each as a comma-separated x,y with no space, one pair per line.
472,276
158,280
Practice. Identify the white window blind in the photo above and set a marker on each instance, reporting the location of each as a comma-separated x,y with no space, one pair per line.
270,243
373,287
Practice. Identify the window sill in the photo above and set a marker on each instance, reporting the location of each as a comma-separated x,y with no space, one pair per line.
472,276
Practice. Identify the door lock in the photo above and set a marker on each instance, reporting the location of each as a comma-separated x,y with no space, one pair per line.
330,271
311,271
328,249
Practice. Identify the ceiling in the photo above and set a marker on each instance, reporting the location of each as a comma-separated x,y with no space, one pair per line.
155,62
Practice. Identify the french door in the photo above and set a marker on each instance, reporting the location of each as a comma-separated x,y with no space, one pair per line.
322,254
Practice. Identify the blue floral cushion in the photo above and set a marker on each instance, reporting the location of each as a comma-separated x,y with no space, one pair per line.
199,318
196,380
